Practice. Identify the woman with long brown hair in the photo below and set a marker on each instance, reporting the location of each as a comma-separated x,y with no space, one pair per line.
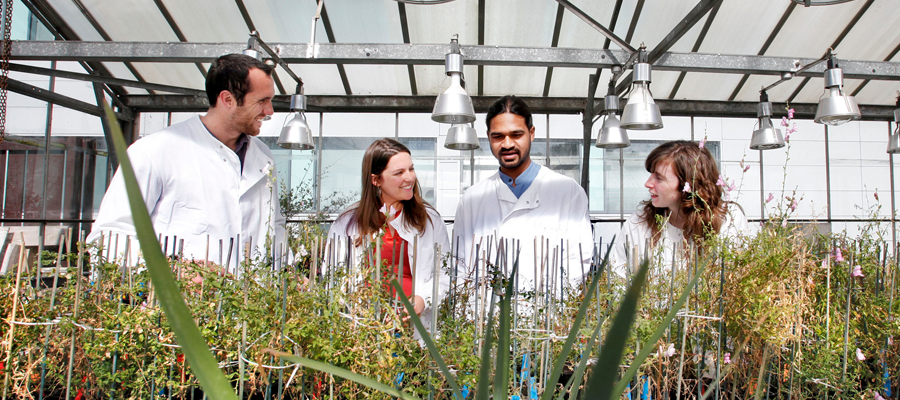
391,207
687,203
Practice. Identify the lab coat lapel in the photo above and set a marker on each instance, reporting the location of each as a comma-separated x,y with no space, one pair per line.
529,200
257,166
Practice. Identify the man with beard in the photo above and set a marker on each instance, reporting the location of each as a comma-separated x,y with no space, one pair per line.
526,207
207,179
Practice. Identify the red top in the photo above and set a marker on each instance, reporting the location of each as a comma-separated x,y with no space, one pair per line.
391,241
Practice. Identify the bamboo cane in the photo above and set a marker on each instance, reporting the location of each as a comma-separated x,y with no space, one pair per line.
50,315
75,313
12,318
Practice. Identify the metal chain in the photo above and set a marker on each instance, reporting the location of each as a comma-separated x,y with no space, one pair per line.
4,65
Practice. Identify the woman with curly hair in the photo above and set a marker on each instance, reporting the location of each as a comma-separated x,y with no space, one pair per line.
687,203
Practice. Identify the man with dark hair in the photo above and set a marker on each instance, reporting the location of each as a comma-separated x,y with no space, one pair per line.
208,178
529,208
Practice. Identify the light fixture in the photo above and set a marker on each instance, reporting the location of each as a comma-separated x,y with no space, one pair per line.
611,135
462,137
894,141
252,49
641,112
766,137
295,134
835,107
454,106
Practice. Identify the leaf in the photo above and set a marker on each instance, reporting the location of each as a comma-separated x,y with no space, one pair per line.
193,344
429,342
650,345
582,365
343,373
605,372
501,373
573,334
484,372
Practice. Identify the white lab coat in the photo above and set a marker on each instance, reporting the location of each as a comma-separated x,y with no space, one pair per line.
435,234
553,209
194,188
636,233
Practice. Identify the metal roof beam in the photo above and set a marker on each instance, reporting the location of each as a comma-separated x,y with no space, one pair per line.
541,105
28,69
60,100
623,44
428,54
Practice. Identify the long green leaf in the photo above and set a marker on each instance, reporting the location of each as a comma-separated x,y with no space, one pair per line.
501,373
484,373
582,365
600,386
573,334
343,373
193,344
660,330
429,342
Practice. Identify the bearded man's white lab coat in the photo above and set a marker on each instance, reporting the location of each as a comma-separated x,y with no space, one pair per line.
194,187
554,209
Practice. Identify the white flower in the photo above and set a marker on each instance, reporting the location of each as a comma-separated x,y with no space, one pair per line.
387,211
859,355
669,352
302,251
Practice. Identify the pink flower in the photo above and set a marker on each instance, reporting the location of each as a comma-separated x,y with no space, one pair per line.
727,359
746,168
890,340
784,121
703,142
687,187
784,223
791,113
721,182
876,195
859,355
857,272
838,257
727,196
824,263
768,199
731,186
876,396
793,205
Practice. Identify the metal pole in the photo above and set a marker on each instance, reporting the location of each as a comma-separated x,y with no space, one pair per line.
587,119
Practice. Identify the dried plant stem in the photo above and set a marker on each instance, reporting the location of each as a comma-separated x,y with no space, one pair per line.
12,318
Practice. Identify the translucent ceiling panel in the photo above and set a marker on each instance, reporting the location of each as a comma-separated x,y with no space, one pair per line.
73,17
430,79
812,91
286,20
519,23
575,33
874,36
705,86
318,79
180,74
119,70
573,82
139,21
811,30
370,21
658,17
778,94
661,84
742,27
212,21
429,24
519,81
390,80
626,14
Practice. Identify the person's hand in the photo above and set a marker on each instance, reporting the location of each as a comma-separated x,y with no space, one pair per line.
418,306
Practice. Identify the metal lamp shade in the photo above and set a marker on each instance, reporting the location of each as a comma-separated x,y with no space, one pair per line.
641,112
454,106
767,137
612,136
835,107
296,135
894,142
462,137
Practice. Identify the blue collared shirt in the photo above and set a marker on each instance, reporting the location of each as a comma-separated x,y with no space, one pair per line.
523,181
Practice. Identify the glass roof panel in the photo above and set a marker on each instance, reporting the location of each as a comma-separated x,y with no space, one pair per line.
67,10
175,74
430,79
430,24
658,17
378,79
874,36
626,13
119,70
286,20
520,81
210,21
140,21
812,91
796,39
318,79
573,82
778,94
575,33
742,27
521,23
371,21
707,86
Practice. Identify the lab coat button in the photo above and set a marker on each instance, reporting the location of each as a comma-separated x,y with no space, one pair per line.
527,202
